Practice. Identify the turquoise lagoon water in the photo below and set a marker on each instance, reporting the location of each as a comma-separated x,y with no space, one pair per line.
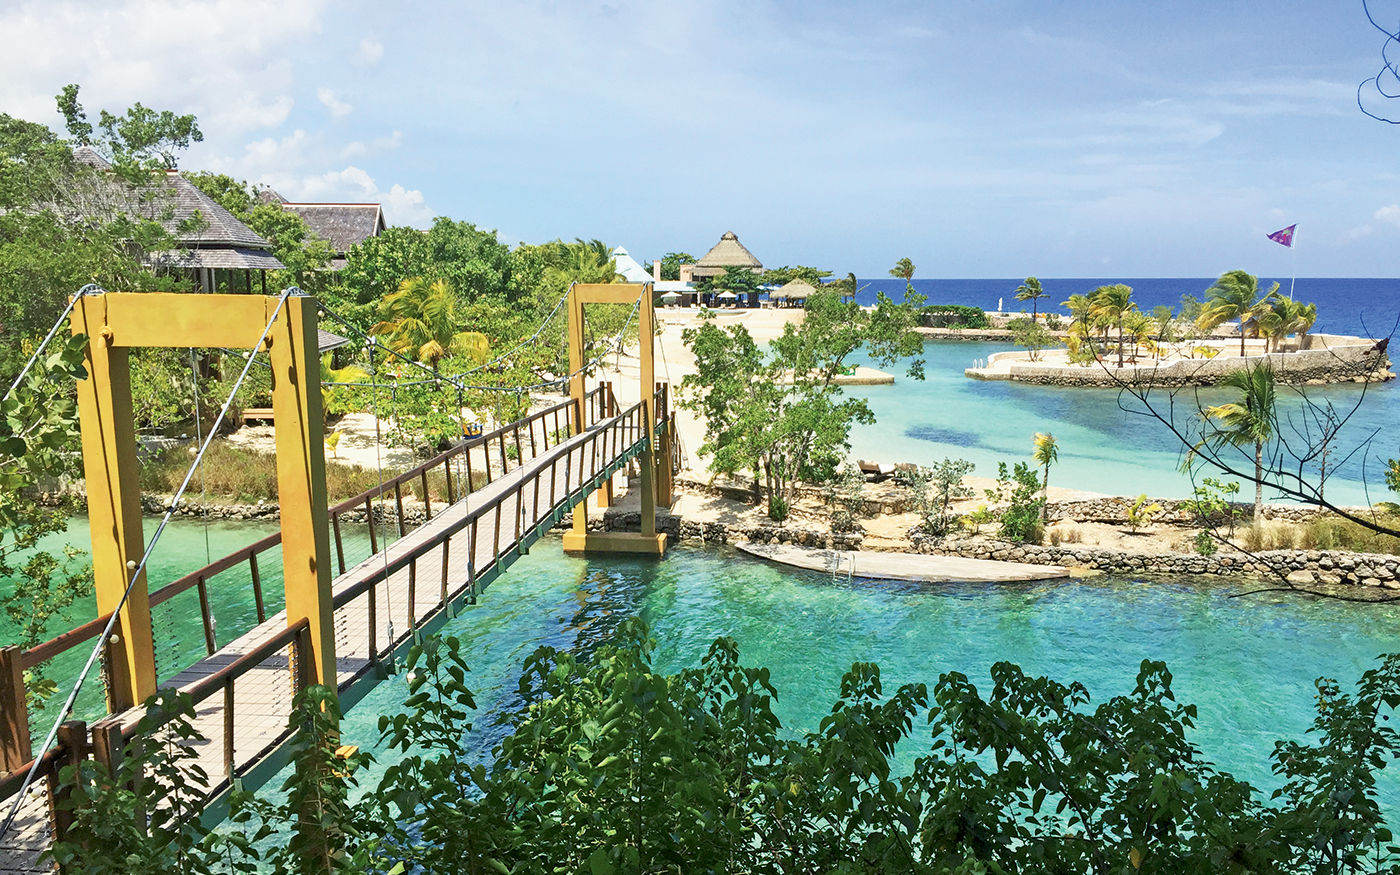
1249,664
187,544
1103,447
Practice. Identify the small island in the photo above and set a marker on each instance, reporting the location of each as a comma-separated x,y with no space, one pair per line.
1110,342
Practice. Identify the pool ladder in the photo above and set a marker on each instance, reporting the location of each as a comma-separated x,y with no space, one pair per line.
837,563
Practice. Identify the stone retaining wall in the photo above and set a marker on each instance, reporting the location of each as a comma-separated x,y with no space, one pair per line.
1299,566
1358,361
1114,510
681,530
889,502
384,512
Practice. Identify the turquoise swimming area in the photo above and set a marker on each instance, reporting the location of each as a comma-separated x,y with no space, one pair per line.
1106,443
1248,663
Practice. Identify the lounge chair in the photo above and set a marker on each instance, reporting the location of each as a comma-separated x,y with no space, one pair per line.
874,471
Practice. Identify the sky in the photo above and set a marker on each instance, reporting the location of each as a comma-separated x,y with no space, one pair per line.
979,138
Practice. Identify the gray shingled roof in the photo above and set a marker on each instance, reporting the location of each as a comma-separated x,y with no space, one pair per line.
342,225
220,226
91,157
221,257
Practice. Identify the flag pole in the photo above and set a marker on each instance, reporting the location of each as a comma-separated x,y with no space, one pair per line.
1293,265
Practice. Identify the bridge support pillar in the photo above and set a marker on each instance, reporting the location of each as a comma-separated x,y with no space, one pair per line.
648,541
116,323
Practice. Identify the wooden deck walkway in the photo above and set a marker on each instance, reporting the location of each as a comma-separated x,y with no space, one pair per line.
244,691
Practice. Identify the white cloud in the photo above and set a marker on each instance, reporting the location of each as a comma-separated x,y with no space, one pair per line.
402,206
338,107
203,58
1390,214
379,145
371,51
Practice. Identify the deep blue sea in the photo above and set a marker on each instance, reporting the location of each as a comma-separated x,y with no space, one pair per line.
1369,307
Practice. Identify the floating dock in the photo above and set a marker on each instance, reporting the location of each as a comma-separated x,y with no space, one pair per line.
919,567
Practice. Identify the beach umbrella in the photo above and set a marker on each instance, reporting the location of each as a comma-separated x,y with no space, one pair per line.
727,296
670,298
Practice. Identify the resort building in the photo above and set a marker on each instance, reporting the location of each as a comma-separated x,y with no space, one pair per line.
344,226
629,268
727,253
219,251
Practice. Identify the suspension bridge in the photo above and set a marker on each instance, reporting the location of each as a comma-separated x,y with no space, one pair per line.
344,622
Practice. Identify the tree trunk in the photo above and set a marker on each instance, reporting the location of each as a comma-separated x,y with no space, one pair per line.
1258,481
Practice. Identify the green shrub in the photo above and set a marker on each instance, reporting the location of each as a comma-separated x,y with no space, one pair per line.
1019,490
953,316
611,766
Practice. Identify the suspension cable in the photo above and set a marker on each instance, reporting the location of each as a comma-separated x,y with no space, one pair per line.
89,289
545,384
136,568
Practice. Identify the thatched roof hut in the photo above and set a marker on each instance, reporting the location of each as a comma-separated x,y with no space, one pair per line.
796,290
727,253
343,226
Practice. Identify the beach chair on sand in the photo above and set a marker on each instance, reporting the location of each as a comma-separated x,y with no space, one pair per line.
874,472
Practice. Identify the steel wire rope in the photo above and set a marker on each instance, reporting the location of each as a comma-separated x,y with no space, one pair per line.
136,568
379,465
89,289
544,384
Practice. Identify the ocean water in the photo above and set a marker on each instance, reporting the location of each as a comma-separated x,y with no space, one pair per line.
1249,664
1366,307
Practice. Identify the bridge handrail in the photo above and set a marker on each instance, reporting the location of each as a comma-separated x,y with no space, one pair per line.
628,420
110,735
621,433
595,402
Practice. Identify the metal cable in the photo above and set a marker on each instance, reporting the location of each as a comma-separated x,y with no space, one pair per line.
136,569
89,289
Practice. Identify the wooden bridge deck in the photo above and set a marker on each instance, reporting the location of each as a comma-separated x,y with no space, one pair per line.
416,583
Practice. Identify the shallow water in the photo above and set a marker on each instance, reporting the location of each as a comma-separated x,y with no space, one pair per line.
1103,447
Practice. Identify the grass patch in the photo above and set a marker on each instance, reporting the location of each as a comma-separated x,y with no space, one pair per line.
235,474
1322,533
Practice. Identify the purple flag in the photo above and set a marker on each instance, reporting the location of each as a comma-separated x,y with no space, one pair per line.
1284,237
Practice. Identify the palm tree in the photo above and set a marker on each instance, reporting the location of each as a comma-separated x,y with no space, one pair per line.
1137,325
1047,452
1109,305
1248,420
1235,295
904,268
1079,307
420,320
1163,317
1030,290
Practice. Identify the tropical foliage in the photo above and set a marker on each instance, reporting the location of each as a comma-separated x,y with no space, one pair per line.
1032,291
1235,295
779,413
1248,421
611,765
421,321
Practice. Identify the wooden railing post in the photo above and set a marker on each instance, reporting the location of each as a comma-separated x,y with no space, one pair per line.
15,749
107,744
257,582
72,740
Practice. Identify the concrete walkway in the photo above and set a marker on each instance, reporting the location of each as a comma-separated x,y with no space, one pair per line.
903,566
